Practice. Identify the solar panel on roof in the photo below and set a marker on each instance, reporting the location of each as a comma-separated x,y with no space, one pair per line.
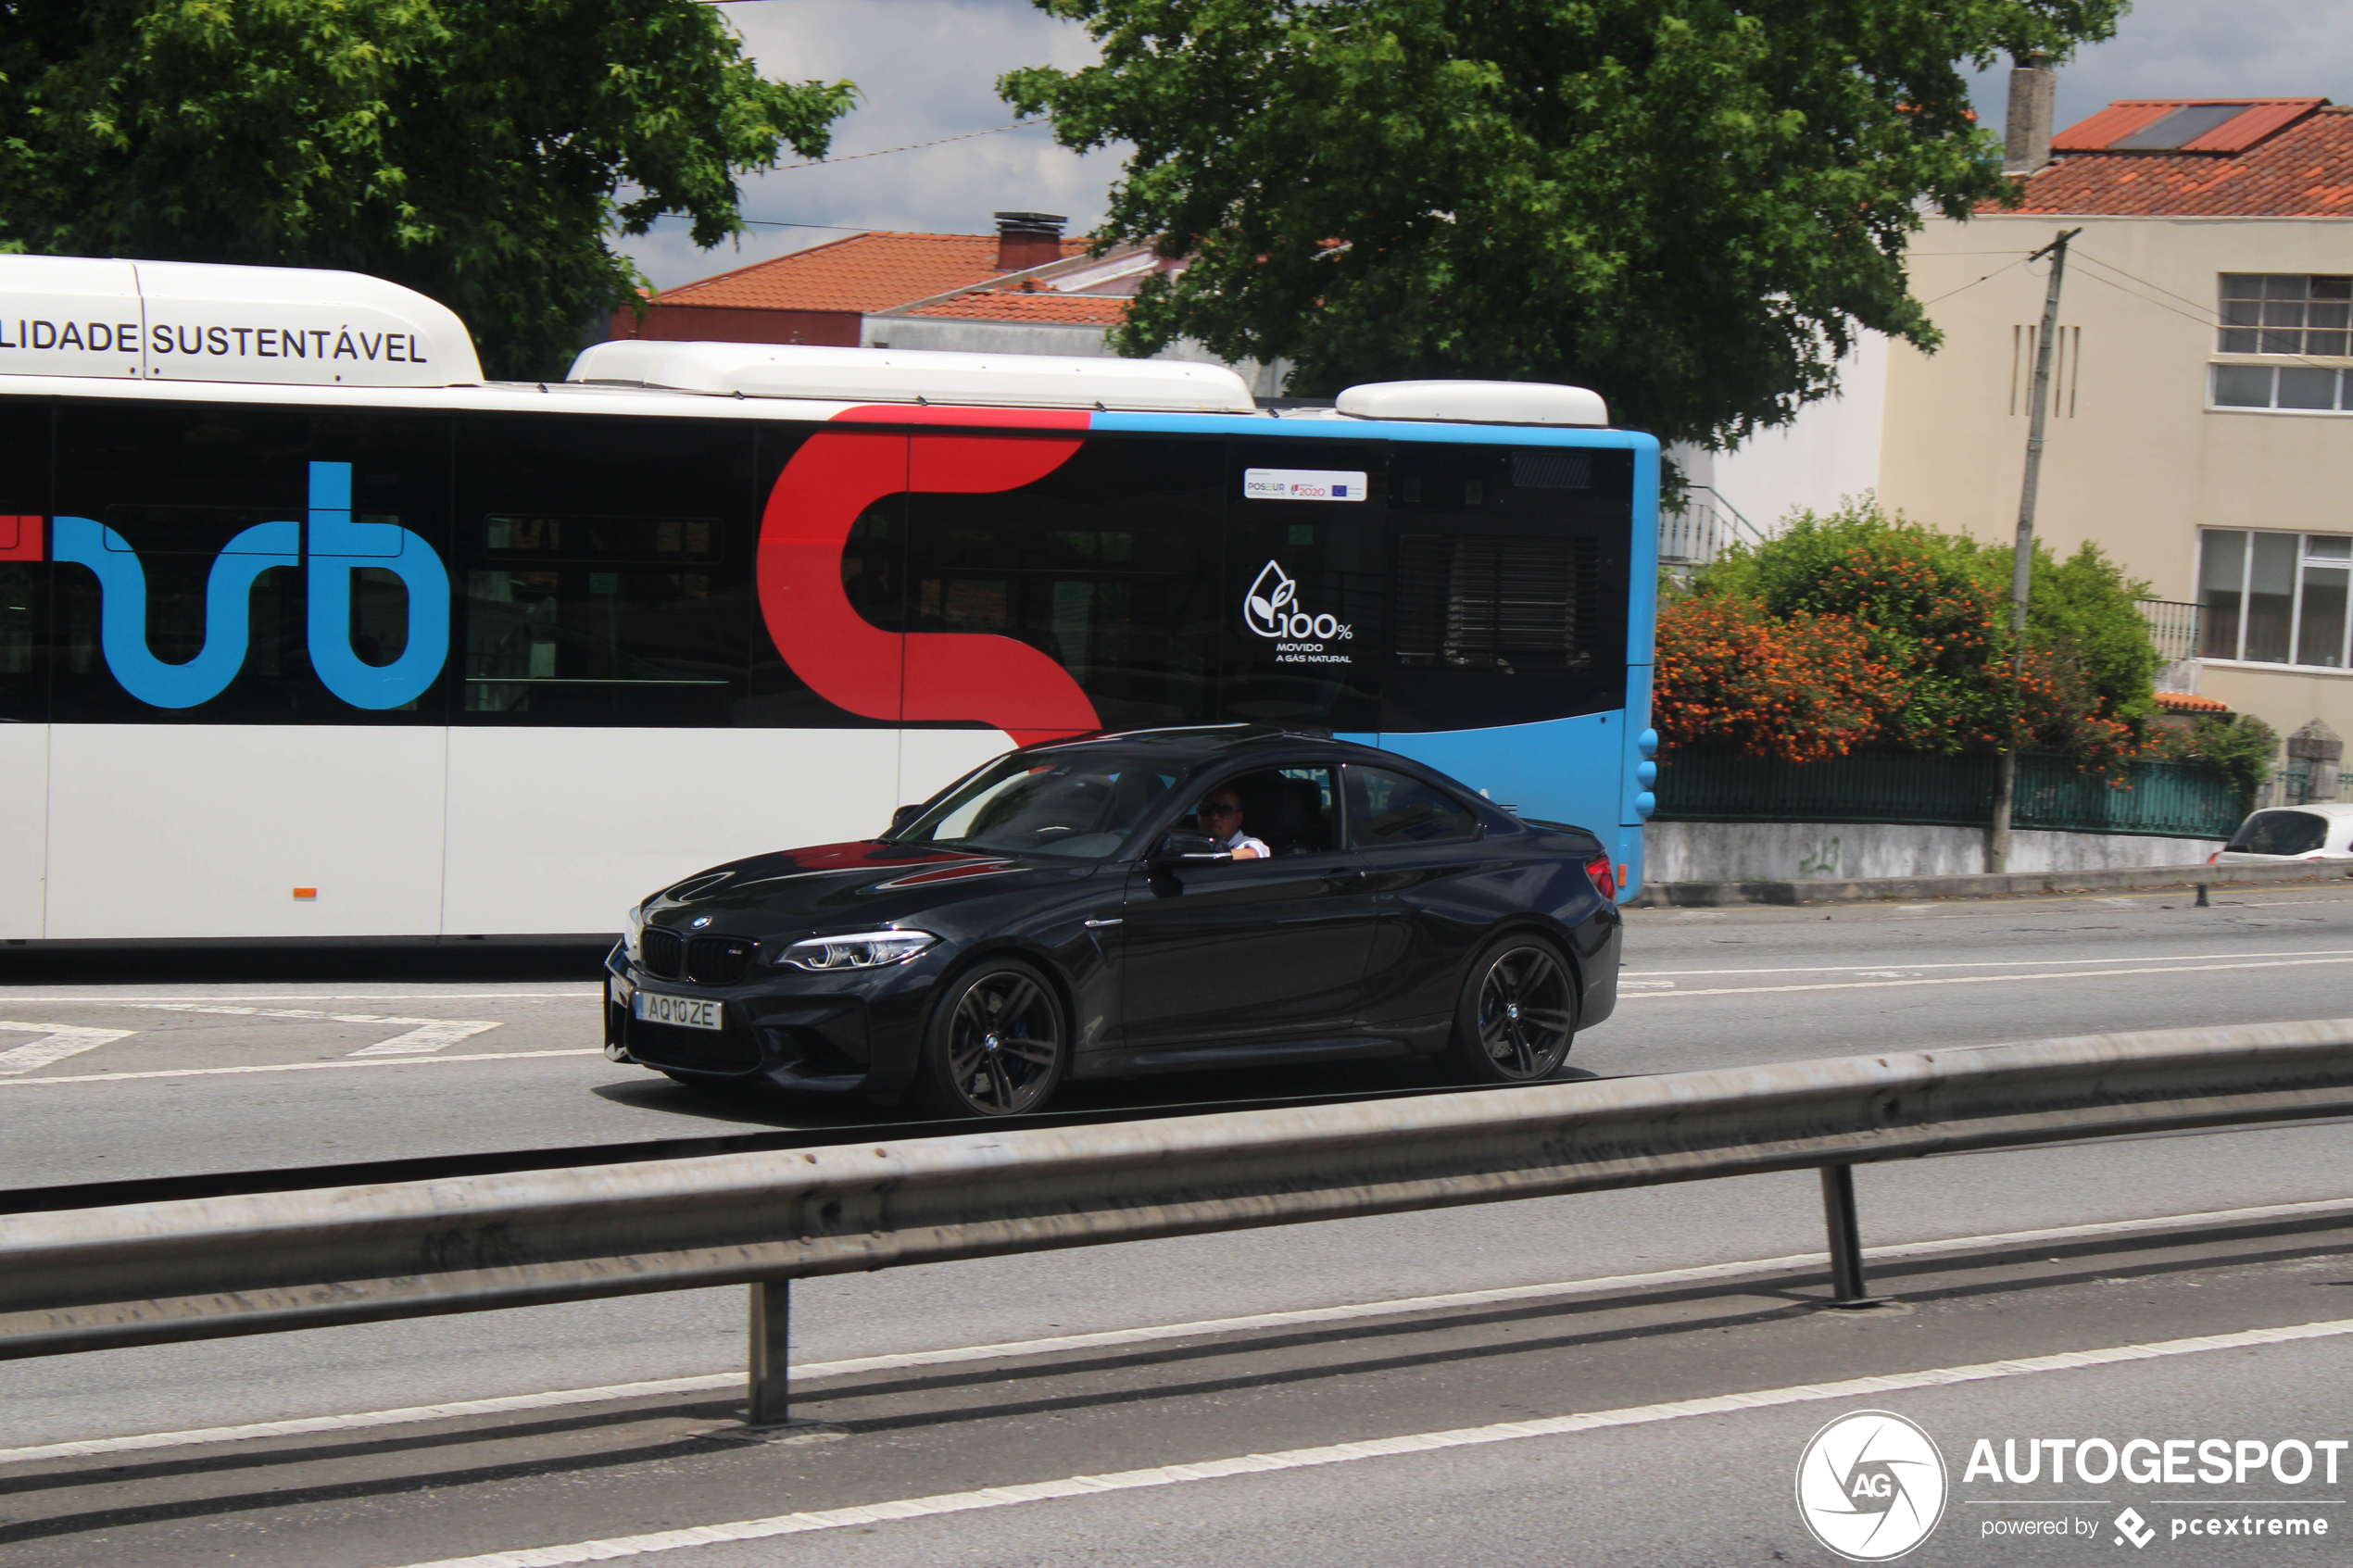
2179,129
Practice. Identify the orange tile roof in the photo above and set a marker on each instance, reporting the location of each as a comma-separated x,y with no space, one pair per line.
1014,305
2190,702
863,272
2305,170
2236,134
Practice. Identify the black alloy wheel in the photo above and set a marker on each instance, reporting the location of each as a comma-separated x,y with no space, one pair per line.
1518,1015
997,1046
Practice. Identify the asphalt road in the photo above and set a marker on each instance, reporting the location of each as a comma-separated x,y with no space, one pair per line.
102,1081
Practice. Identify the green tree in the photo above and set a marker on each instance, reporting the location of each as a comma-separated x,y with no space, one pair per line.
1690,205
478,150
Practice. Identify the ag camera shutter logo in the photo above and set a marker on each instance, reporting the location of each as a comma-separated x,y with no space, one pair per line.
1871,1485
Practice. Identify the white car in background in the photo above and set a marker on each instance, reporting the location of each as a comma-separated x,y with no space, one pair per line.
2319,832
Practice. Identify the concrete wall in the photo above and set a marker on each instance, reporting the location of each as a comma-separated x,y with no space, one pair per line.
1825,851
1831,451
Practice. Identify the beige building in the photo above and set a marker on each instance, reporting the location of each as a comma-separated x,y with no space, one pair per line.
2201,416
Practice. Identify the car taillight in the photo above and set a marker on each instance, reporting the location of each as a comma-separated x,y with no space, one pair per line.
1598,869
2214,859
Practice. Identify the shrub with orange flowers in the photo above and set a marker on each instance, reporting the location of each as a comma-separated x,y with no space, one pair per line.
1799,688
1862,628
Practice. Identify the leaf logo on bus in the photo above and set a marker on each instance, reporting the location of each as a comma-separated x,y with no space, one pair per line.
1268,598
337,547
1268,610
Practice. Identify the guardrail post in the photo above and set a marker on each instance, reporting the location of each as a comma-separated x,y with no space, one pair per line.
1847,1236
771,1320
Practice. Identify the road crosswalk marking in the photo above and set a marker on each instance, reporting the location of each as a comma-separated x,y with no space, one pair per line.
57,1042
429,1034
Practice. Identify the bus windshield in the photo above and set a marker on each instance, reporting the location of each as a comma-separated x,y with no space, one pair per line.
1082,806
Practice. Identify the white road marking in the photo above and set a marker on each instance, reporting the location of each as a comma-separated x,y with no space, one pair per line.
1984,979
1996,963
1380,1448
434,1033
290,1067
57,1042
106,999
806,1371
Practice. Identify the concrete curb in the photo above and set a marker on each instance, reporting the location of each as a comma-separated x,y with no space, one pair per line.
2010,884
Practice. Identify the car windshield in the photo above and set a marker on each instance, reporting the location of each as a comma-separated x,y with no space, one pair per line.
1082,806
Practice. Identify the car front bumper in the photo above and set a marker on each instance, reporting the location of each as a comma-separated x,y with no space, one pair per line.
832,1034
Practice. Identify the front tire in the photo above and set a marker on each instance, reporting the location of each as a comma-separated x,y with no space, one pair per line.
1518,1015
997,1044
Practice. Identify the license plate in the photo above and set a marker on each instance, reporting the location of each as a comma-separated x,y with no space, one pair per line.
679,1013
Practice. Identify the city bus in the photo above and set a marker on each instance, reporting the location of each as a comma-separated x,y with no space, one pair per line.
306,631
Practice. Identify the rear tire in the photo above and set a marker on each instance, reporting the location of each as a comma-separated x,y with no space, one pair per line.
997,1044
1518,1015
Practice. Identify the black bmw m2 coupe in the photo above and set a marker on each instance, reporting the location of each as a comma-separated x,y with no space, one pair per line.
1153,902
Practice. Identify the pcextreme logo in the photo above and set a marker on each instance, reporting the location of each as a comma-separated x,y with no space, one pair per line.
1871,1485
333,548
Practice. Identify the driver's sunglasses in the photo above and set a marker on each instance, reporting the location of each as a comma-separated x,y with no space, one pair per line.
1214,810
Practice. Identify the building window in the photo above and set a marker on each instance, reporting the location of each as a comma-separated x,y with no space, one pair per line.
2275,598
2287,313
2309,388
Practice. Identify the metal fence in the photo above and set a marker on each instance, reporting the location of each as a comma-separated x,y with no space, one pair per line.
2171,800
1707,523
401,1245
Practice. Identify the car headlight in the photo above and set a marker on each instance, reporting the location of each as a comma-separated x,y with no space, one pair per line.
868,949
633,928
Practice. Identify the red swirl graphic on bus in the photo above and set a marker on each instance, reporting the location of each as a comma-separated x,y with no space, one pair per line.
912,676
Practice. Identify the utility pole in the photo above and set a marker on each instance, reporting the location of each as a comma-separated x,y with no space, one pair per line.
1997,841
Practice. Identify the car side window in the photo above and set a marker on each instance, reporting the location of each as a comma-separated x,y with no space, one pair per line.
2281,833
1291,810
1386,810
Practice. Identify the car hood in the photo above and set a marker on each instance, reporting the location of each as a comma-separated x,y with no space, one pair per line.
832,886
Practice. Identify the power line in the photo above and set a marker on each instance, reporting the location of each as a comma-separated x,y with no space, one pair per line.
910,148
1973,283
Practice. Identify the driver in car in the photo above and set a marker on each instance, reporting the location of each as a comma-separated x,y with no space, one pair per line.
1221,813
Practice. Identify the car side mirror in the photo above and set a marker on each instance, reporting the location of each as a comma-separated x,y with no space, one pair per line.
904,815
1181,848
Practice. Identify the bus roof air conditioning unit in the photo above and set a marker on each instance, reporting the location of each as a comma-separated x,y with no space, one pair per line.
193,321
897,375
1476,402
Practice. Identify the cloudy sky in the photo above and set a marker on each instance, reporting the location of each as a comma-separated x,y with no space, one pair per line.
927,68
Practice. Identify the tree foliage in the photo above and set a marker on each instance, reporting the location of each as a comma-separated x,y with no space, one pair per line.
2239,744
1688,205
1798,689
478,150
1930,613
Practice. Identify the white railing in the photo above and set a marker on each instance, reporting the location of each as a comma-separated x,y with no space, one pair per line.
1707,523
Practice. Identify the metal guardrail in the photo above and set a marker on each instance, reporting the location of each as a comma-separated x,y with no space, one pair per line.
153,1273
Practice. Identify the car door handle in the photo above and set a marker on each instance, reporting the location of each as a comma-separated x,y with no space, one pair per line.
1341,882
1099,924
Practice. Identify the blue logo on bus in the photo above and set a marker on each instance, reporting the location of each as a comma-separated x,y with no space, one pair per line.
338,547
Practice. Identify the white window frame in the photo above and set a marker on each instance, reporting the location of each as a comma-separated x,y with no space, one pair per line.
2303,557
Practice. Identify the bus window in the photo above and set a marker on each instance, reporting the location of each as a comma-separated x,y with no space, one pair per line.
184,494
24,610
1304,621
1506,585
606,571
1109,565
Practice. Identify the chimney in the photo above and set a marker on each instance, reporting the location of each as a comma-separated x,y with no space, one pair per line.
2026,132
1029,239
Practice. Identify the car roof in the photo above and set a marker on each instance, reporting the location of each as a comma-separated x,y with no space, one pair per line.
2338,809
1197,746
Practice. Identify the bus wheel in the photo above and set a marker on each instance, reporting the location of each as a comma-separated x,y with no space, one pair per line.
996,1045
1517,1013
